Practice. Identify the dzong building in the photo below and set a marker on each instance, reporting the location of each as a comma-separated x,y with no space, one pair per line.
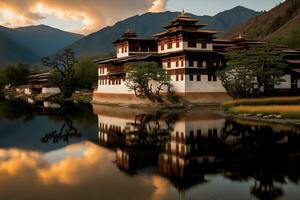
185,50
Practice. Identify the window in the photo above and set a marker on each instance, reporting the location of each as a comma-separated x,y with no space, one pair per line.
199,64
177,78
192,44
162,47
215,63
170,45
199,133
177,44
204,46
198,77
204,64
215,132
169,64
177,63
182,63
192,134
209,78
214,78
191,77
191,63
182,77
209,133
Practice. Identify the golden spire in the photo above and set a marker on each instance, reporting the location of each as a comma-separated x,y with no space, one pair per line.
182,14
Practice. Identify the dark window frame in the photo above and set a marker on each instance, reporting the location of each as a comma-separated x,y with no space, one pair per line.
198,77
192,44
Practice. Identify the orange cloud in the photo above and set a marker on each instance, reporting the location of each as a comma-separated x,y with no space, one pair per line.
92,14
30,175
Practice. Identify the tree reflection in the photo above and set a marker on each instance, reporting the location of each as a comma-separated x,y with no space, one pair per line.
67,114
66,132
186,151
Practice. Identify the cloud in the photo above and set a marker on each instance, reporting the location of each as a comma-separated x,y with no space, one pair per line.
91,173
92,14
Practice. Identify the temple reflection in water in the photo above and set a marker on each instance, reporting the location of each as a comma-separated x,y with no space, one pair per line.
187,147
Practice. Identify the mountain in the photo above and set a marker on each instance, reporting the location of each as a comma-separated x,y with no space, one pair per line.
29,44
45,40
147,24
11,52
278,22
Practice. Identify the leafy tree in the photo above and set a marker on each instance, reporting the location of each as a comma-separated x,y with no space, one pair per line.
64,67
250,70
15,75
147,80
86,73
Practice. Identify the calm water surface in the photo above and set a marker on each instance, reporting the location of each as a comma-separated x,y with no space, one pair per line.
81,152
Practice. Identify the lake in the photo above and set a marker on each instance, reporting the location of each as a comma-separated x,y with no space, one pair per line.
83,152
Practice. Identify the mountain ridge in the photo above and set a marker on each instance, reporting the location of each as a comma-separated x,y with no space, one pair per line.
29,44
147,24
277,22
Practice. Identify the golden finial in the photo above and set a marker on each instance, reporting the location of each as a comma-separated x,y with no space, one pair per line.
240,36
182,14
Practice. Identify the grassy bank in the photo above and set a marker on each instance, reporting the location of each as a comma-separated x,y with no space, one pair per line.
262,102
286,111
285,107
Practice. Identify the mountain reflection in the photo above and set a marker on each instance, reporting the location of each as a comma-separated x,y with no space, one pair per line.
187,147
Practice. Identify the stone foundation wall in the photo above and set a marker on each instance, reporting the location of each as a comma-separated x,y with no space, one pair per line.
205,98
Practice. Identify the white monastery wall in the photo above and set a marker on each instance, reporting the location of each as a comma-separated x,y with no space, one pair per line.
174,48
209,47
204,85
50,90
286,84
118,89
124,54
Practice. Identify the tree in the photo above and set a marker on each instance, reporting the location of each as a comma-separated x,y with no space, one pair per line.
147,80
248,71
64,67
86,73
15,75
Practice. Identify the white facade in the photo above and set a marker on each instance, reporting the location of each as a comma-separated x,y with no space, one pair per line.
110,89
183,45
121,54
286,84
50,90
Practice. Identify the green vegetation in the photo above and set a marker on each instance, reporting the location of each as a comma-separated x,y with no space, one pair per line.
250,70
290,40
15,75
276,23
141,77
86,73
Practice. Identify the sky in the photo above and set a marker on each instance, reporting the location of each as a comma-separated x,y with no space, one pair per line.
87,16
